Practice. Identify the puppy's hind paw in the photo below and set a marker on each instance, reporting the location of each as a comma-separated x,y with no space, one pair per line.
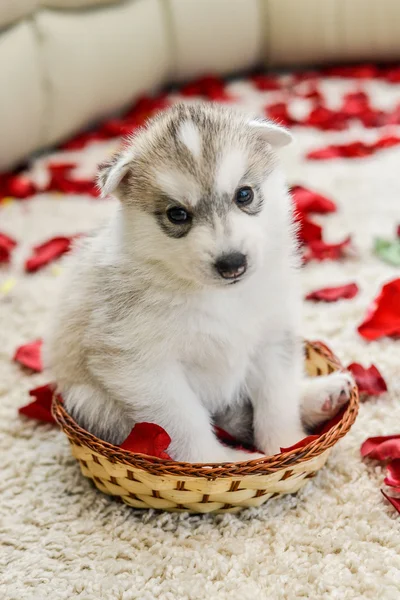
338,391
324,396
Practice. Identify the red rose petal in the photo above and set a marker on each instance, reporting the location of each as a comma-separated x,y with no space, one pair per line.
355,103
7,245
366,71
391,118
61,181
192,88
146,105
392,75
118,127
59,169
393,474
308,75
307,201
369,381
382,447
356,106
312,93
40,408
47,252
223,435
82,186
320,250
82,140
279,112
20,187
308,230
149,439
265,82
210,86
324,118
218,95
393,501
383,317
227,439
29,355
332,294
355,149
16,185
301,443
371,117
3,184
325,153
387,141
398,231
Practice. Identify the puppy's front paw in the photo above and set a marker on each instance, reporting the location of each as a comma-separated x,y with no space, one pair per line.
324,397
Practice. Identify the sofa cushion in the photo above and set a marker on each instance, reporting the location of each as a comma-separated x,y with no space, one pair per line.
22,94
76,3
309,31
13,10
97,61
214,36
369,32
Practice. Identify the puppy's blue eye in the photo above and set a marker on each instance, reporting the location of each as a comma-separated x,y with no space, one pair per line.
177,215
244,196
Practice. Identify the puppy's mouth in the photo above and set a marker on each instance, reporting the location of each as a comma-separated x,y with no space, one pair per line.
233,276
237,280
237,277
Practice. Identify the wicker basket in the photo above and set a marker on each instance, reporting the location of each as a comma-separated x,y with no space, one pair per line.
144,482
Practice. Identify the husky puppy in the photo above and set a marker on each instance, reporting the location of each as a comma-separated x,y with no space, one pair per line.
185,309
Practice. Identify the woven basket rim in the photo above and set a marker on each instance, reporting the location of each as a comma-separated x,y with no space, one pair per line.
160,466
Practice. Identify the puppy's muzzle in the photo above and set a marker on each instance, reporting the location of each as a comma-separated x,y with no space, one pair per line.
231,266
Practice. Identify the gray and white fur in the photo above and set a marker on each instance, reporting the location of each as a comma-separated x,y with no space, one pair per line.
185,309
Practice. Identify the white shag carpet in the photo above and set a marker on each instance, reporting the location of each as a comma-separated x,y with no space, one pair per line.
337,538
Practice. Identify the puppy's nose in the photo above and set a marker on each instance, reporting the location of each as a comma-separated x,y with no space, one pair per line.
231,266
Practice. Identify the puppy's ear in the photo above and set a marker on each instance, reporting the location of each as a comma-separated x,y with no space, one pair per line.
272,133
112,173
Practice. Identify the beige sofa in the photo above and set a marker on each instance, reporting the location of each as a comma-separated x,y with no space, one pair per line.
64,63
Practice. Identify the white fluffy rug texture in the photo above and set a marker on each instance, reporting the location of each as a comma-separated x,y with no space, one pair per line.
337,538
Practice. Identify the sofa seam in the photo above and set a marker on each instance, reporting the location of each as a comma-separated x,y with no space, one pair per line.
166,9
265,12
45,81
